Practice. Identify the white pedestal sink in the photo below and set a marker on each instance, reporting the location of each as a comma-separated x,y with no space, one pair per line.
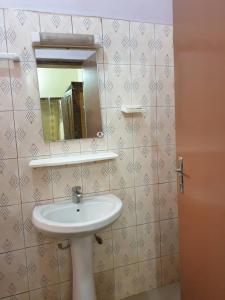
79,222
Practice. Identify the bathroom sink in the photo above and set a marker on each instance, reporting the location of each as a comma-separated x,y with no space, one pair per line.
70,219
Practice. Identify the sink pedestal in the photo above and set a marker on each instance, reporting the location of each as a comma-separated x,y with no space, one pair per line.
83,278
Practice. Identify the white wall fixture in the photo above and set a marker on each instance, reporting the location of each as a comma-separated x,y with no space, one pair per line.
72,159
10,56
129,109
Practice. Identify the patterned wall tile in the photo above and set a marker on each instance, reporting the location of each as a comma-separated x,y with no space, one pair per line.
142,43
105,285
13,273
125,246
32,236
170,269
3,46
169,237
50,292
148,236
122,170
5,87
24,84
128,216
35,184
168,200
42,266
126,281
65,147
144,128
166,125
89,25
11,225
165,86
119,128
116,41
19,26
64,178
147,204
95,177
164,45
143,85
66,290
167,163
103,254
150,274
29,134
7,135
117,85
65,264
23,296
55,23
145,165
9,182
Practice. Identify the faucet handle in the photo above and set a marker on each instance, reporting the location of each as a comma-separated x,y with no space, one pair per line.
76,189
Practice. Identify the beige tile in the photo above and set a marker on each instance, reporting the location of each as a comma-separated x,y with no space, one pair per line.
23,296
116,41
164,45
148,236
7,135
11,225
117,85
165,86
50,293
167,163
143,85
29,134
150,274
19,26
122,170
64,178
126,281
3,46
9,182
5,87
119,128
55,23
105,285
145,165
65,147
125,246
24,84
33,237
144,128
128,215
103,253
170,269
166,126
65,264
66,290
89,25
168,200
13,273
142,43
36,184
147,204
169,237
42,266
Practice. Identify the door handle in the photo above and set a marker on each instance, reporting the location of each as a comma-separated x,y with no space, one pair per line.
180,173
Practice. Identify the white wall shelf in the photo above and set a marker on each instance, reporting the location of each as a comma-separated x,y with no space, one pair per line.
72,159
130,109
10,56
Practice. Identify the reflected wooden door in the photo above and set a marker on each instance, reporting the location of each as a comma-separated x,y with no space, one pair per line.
199,39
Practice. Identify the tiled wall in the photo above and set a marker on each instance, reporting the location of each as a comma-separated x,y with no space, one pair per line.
140,249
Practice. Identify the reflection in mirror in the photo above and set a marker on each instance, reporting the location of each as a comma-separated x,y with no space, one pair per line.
69,95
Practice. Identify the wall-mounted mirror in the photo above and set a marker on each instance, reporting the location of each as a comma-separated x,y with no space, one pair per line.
69,94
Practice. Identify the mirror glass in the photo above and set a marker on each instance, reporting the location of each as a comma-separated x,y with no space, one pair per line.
69,94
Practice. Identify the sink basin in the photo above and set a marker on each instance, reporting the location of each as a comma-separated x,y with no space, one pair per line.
79,222
70,219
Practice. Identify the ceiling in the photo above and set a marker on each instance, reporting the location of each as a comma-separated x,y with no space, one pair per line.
155,11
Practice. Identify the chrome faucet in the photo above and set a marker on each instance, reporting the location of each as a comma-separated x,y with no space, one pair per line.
76,194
